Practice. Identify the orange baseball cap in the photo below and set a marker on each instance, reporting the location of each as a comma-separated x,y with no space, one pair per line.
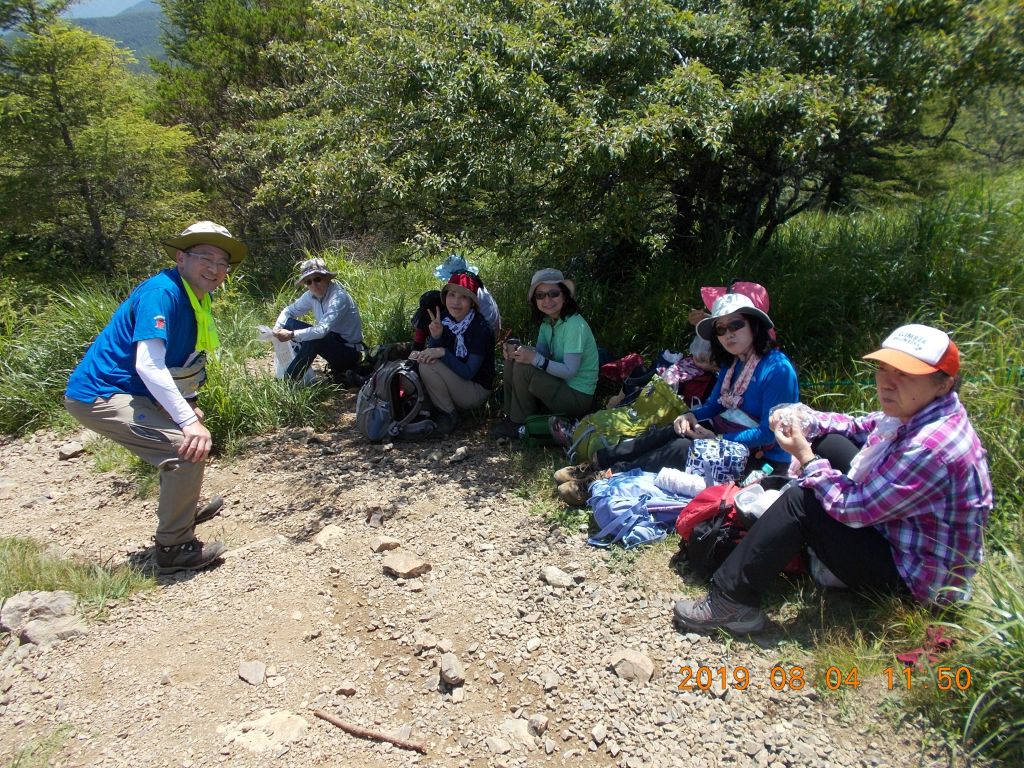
918,350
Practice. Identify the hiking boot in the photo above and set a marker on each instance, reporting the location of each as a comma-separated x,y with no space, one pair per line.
506,428
190,556
561,430
583,472
716,611
445,423
209,510
575,492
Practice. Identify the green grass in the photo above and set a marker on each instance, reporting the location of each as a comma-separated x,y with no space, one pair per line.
989,714
38,752
26,565
108,456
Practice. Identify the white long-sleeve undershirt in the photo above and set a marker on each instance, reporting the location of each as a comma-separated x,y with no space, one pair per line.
151,365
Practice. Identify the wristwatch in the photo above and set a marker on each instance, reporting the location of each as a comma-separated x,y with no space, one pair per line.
544,365
803,466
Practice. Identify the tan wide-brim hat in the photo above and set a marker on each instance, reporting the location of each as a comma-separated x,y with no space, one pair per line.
207,233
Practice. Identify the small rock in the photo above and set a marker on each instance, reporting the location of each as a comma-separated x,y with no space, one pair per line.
630,664
556,577
328,535
405,564
253,672
70,450
452,671
42,618
549,680
423,641
599,734
533,644
346,689
460,454
383,543
518,730
498,746
538,724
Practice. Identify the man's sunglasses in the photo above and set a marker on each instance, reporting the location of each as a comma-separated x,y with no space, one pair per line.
731,327
310,280
552,294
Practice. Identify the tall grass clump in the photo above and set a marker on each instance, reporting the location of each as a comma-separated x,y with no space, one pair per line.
43,350
239,402
25,565
988,715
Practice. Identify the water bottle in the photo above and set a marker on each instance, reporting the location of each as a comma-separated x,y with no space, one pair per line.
757,475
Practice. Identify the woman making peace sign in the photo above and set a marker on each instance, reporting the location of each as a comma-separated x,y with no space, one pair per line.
457,367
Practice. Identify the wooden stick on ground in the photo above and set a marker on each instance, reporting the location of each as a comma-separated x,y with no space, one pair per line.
357,730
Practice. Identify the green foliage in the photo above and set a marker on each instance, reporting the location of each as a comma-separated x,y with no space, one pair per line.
83,173
41,353
25,565
606,131
989,714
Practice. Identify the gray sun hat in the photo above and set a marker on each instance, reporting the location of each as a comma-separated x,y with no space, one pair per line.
727,305
311,267
549,275
207,233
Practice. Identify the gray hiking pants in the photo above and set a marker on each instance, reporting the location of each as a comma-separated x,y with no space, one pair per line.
448,390
142,426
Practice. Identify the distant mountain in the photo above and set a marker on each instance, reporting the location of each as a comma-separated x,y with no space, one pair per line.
136,28
92,9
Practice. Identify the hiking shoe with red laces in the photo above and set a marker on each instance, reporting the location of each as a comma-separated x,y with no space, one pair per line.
716,611
561,430
190,556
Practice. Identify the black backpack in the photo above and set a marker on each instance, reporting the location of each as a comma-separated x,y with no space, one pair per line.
392,404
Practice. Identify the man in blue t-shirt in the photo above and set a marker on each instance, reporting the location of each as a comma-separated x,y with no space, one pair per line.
138,381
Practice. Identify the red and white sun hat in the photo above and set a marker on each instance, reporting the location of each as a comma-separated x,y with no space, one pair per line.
917,350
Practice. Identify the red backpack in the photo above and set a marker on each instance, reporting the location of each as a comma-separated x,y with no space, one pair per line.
717,499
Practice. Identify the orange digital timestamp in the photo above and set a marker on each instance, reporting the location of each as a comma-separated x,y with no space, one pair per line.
738,678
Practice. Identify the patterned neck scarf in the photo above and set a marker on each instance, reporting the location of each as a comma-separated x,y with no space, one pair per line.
459,329
875,448
206,330
731,396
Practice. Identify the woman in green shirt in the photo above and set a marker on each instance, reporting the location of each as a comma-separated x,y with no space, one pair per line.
559,375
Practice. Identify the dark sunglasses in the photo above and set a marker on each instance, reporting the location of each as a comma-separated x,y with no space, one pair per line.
310,280
732,327
552,294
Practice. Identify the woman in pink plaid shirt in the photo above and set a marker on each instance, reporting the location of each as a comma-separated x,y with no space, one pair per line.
895,501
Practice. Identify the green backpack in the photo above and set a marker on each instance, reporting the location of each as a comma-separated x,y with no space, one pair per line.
656,405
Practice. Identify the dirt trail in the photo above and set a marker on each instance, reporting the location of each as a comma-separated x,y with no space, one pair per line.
156,682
